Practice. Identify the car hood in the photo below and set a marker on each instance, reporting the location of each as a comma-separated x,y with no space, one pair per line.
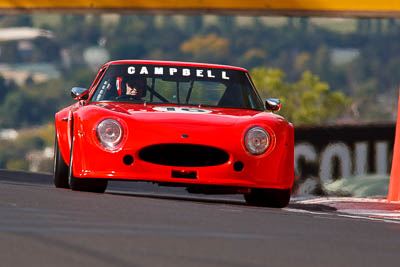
173,114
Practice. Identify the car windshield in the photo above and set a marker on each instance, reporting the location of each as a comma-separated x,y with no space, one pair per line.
181,85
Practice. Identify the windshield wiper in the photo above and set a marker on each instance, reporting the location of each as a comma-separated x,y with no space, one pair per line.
177,92
189,92
152,89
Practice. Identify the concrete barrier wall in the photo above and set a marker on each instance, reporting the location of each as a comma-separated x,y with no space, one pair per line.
326,153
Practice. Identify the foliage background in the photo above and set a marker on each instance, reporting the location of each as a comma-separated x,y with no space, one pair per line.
323,70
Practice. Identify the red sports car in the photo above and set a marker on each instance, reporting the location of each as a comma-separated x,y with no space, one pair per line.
200,126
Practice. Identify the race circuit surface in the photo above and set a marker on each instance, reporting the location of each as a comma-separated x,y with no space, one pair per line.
137,224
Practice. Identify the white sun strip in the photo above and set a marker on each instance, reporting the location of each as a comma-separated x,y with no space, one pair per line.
385,220
344,199
306,211
377,215
350,216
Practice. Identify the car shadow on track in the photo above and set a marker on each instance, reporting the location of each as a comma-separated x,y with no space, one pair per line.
148,190
235,200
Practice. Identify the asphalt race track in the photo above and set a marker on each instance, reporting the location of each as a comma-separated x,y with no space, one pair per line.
137,224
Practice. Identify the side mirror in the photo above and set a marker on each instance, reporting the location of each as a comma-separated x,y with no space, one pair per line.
273,104
79,93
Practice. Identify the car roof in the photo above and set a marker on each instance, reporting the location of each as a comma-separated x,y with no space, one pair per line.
174,63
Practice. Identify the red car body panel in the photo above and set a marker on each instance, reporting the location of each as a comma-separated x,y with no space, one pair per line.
144,125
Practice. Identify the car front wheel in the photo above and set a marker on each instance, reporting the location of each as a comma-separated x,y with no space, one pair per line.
274,198
85,184
60,177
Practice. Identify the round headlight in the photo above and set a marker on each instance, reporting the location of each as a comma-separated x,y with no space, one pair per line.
110,133
256,141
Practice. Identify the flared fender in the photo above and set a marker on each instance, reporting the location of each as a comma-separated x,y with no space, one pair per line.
63,127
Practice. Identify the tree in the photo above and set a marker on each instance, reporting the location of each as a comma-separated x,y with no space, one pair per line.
193,24
253,58
307,101
210,47
16,21
6,87
34,105
226,23
9,52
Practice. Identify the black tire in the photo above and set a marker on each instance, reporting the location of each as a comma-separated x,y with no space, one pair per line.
274,198
60,168
84,184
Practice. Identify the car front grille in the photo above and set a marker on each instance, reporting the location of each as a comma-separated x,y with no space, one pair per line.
184,155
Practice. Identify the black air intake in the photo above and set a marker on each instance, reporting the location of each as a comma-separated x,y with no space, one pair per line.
184,155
